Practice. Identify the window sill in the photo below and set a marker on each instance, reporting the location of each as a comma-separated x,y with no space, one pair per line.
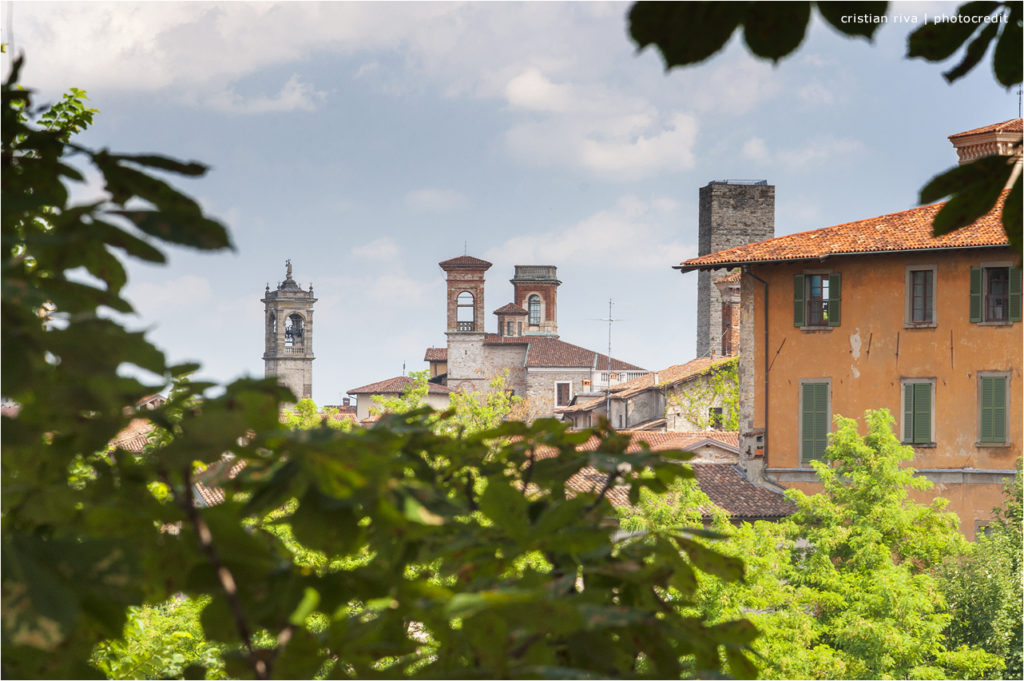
817,329
992,444
920,445
920,325
1006,323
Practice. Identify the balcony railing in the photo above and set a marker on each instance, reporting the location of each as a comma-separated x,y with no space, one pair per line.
465,326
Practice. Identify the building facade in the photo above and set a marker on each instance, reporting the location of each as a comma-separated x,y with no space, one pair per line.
539,367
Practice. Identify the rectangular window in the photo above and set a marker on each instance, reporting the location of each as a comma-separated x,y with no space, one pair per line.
816,299
921,296
715,418
992,394
508,328
815,416
995,294
918,422
562,394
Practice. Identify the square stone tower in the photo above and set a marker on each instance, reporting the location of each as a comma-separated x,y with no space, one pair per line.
535,289
288,335
732,213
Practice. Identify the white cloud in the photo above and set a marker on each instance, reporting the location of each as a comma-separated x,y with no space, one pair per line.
294,96
383,249
735,87
435,201
815,94
185,291
755,149
819,150
631,235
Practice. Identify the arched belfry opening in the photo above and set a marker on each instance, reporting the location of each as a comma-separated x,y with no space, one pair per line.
288,353
465,293
466,311
294,327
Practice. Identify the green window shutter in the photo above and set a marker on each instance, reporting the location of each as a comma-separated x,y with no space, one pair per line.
799,308
993,409
908,412
814,420
922,413
1015,294
975,294
834,294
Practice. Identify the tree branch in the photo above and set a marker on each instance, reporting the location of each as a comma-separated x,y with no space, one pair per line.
224,576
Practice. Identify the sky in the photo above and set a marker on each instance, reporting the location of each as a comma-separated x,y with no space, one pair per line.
369,141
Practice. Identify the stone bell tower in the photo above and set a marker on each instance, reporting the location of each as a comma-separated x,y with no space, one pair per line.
288,329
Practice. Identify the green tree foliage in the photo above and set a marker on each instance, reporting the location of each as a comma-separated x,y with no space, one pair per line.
843,588
687,33
983,587
430,540
161,642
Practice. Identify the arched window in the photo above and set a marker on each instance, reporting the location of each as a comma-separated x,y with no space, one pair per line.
465,312
534,306
293,327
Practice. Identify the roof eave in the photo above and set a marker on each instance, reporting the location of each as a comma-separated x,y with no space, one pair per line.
724,265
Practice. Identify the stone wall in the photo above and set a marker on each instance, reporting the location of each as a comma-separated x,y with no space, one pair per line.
540,386
731,214
472,364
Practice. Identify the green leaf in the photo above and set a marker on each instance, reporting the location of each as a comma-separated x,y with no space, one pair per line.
726,567
506,507
774,29
975,188
1006,59
1012,216
938,40
684,32
191,168
973,54
185,227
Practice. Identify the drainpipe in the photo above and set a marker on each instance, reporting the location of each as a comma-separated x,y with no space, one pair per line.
746,270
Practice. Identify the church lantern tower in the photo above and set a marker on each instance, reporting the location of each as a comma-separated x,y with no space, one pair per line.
288,335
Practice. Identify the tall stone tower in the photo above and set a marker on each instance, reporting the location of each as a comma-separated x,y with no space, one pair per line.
732,213
465,329
288,322
535,289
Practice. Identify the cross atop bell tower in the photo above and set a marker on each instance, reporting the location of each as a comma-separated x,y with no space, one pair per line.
288,335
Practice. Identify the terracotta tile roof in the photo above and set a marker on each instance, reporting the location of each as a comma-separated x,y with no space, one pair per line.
730,278
722,482
206,490
728,489
659,442
673,375
465,261
396,385
548,351
436,355
1012,125
134,437
908,230
511,308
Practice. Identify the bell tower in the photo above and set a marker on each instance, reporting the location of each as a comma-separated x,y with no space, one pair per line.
288,335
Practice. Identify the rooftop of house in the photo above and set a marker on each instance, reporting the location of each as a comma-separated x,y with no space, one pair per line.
673,375
1012,125
723,483
436,355
396,385
511,308
465,261
908,230
548,351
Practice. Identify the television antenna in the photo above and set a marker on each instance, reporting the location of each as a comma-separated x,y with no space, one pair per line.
608,383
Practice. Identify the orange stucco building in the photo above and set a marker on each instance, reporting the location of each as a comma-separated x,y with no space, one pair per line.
879,314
